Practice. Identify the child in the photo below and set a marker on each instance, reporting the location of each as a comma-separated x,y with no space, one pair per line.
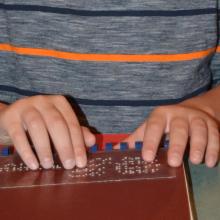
126,64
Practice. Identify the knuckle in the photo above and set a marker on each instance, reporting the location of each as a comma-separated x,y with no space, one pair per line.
59,98
179,122
160,110
199,122
56,119
33,122
20,102
41,99
182,131
26,101
28,113
153,125
84,128
180,125
73,126
31,118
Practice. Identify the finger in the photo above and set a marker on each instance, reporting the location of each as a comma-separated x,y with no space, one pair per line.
198,140
21,143
137,135
75,130
154,131
212,152
5,139
39,136
59,133
179,133
89,137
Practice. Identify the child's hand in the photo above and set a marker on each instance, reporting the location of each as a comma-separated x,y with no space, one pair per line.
46,118
180,122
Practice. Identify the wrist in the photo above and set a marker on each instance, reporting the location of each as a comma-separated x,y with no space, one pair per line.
199,104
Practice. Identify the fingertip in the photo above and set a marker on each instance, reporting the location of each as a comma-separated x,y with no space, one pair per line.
210,164
69,164
33,166
211,161
90,140
47,163
174,163
32,163
81,162
89,137
194,162
196,157
148,155
174,160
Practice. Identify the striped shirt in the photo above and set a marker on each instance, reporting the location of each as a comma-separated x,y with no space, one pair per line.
115,60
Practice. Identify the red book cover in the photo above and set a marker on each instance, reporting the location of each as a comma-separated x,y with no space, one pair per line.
115,185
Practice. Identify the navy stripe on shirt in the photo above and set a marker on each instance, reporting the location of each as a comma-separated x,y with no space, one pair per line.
117,13
129,103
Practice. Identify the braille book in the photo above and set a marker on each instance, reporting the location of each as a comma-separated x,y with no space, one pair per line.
116,184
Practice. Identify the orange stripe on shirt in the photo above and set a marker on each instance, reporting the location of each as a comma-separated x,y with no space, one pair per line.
107,57
218,49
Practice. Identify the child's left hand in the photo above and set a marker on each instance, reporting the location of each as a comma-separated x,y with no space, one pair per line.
182,122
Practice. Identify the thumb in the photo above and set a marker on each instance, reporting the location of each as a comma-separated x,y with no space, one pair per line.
89,137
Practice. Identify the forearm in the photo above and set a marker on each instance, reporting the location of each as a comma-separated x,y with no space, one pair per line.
208,102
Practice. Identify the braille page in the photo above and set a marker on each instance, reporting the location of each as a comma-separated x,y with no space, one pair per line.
102,167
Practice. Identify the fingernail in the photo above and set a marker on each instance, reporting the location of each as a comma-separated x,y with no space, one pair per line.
69,164
81,162
174,160
32,165
149,156
47,163
211,160
197,157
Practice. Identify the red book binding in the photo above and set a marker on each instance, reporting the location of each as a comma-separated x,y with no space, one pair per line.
115,185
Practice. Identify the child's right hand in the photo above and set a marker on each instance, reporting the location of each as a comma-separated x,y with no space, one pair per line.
46,118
